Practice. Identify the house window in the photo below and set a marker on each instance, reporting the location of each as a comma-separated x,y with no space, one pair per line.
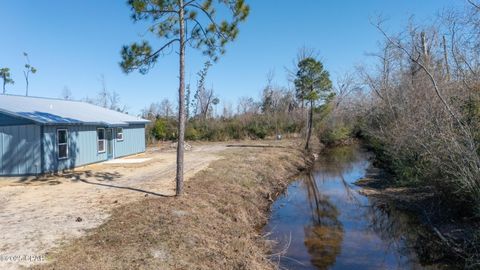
62,143
119,134
101,142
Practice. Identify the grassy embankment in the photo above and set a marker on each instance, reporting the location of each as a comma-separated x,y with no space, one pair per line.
215,225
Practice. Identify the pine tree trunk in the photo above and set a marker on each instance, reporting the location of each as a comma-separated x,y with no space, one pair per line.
181,107
26,81
309,126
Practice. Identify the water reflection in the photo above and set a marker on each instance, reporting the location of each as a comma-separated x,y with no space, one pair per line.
327,224
323,237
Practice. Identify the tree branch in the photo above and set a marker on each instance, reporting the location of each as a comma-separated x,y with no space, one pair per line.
166,45
454,56
477,6
424,68
189,3
199,25
212,20
205,34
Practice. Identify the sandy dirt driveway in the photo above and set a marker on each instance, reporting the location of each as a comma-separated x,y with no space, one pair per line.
39,214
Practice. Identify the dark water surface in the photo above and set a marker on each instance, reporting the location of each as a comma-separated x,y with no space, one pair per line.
322,222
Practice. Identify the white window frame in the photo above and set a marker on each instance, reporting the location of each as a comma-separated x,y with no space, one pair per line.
104,141
118,133
65,143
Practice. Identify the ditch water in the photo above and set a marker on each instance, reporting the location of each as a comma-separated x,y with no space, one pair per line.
323,222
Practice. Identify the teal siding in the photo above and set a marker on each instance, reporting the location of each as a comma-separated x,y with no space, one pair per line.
133,141
82,148
20,150
22,147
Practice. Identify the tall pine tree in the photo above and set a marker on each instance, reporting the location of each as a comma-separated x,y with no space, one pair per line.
182,23
312,83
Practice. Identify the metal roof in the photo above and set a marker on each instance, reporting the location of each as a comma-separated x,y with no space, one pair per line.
50,111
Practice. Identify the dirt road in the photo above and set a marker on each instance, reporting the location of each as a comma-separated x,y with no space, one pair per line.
37,215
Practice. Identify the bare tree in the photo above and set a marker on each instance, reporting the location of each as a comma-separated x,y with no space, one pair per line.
102,97
28,69
66,93
204,96
107,99
246,105
227,111
152,111
165,108
114,102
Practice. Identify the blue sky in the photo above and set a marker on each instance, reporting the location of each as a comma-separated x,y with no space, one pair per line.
72,43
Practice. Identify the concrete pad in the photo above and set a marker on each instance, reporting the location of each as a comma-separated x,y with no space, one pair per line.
127,161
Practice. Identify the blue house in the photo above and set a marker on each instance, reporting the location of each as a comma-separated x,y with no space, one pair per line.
43,135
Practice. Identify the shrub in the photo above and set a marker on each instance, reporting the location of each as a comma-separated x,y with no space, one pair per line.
256,131
191,133
253,126
335,135
164,129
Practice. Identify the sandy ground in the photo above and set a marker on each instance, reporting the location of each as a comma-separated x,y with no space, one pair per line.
39,214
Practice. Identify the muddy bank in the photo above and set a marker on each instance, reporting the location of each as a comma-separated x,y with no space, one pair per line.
214,226
443,235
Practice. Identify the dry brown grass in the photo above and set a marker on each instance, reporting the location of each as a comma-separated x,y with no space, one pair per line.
214,226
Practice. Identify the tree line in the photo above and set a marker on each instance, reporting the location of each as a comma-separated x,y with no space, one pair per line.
279,111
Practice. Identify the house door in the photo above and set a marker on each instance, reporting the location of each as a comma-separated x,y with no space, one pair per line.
109,143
